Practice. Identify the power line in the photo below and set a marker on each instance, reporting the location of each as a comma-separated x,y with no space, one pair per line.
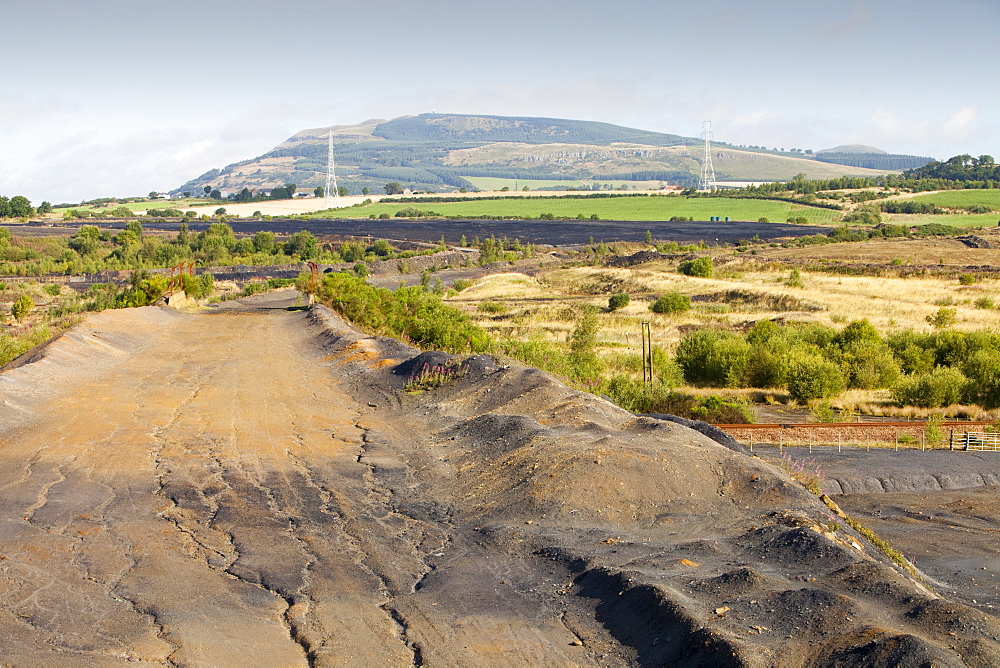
707,181
331,175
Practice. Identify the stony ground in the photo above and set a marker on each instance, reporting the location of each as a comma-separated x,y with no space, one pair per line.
254,486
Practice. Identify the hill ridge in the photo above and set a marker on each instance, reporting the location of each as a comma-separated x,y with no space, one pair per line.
441,152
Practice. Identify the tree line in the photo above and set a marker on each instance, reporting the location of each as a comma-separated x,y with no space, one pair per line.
19,206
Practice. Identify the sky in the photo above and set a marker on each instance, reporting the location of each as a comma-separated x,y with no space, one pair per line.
107,98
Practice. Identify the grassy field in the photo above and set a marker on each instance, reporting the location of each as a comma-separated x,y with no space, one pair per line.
984,220
548,306
145,205
962,198
490,183
617,208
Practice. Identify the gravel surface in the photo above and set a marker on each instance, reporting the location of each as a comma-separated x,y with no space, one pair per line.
254,486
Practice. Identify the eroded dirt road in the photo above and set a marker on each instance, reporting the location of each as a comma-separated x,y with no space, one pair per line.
253,488
199,500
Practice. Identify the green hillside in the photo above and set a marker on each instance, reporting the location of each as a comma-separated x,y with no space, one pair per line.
444,152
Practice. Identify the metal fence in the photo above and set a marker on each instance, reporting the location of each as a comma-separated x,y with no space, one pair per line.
974,441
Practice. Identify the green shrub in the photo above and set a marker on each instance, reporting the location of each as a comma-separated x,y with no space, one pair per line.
583,348
492,306
714,358
535,352
13,346
713,408
672,302
618,301
943,317
52,289
636,395
198,287
983,371
460,284
941,387
869,364
794,279
21,307
984,303
966,279
811,376
701,267
409,312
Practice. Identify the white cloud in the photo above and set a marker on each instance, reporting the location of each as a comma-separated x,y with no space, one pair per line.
961,123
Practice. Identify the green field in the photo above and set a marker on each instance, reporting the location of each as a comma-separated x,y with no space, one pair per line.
962,198
145,205
614,208
953,219
490,183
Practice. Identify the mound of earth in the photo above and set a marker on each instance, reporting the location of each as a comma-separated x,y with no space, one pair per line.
251,483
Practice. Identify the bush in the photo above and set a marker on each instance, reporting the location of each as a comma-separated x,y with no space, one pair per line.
583,348
966,279
491,306
21,307
941,387
869,364
701,267
984,303
52,289
672,302
618,301
636,395
944,317
197,287
814,377
715,358
409,311
983,371
713,408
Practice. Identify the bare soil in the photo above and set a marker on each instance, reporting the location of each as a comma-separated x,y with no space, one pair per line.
940,508
255,486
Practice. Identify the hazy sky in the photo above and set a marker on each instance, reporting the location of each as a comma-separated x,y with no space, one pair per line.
119,97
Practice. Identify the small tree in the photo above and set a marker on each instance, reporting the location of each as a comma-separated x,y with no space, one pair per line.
618,301
943,318
583,346
319,191
22,307
672,302
701,267
814,377
393,188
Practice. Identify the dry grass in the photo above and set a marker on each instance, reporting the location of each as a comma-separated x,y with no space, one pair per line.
549,305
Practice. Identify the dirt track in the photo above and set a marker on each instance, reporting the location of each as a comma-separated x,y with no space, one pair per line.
252,487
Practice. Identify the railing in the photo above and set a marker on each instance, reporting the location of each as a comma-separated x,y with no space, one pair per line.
974,441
